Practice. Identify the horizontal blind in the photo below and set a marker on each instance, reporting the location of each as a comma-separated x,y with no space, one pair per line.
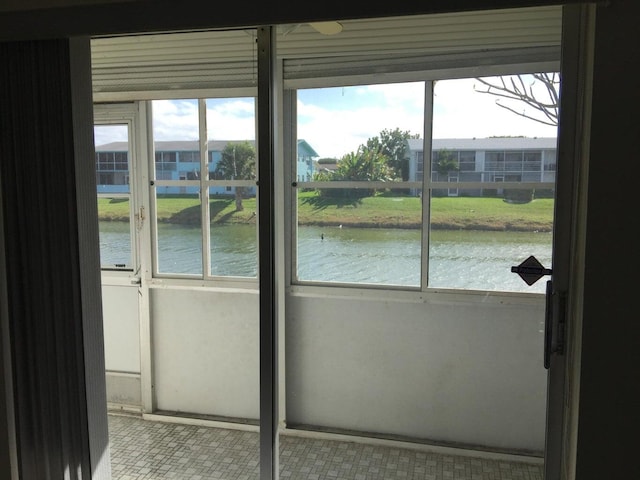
432,42
173,61
178,61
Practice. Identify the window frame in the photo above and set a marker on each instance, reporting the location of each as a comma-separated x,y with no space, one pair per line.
124,115
204,184
426,185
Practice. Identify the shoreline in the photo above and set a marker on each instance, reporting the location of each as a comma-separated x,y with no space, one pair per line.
483,227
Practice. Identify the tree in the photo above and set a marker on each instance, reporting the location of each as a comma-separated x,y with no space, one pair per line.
363,165
445,162
393,145
539,91
381,158
237,162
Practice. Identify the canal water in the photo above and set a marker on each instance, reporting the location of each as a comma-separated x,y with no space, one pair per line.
462,259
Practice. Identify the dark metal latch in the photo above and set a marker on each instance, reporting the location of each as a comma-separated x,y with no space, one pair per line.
531,270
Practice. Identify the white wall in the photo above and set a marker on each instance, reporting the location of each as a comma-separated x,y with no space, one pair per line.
121,328
468,372
205,351
457,368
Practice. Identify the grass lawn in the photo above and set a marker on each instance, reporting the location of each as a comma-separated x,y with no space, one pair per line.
454,213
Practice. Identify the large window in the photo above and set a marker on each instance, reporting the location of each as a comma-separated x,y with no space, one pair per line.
369,217
205,187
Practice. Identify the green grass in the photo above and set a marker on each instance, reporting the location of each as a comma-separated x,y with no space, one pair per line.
182,209
492,214
452,213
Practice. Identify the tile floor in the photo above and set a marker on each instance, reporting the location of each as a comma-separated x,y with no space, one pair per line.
151,450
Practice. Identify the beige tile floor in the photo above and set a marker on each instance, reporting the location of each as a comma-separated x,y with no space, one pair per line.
153,450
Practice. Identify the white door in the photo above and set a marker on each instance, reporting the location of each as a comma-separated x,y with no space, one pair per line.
121,218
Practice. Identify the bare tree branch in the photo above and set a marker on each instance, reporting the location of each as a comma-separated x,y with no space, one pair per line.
538,91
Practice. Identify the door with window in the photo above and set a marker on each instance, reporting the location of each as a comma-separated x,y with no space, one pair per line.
120,217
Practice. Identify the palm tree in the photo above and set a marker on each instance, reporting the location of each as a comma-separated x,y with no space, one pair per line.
237,162
363,165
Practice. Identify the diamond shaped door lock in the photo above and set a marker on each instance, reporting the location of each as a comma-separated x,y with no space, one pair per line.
531,270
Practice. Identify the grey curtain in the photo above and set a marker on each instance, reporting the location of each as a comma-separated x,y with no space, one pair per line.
51,303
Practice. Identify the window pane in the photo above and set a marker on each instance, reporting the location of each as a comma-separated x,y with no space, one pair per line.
468,161
175,138
234,244
112,158
532,162
115,232
346,237
334,122
474,241
178,206
477,234
179,234
366,232
233,210
112,183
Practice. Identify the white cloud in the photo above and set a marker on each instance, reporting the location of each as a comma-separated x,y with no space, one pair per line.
400,93
231,119
227,119
333,134
175,119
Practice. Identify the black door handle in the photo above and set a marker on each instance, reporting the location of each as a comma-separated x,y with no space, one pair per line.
548,325
531,270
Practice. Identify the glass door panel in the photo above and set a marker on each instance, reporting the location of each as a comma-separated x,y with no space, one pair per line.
113,173
504,166
423,335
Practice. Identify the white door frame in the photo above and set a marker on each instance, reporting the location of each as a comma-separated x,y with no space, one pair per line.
134,115
562,347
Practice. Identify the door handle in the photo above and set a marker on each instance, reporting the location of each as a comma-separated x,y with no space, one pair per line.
531,270
548,325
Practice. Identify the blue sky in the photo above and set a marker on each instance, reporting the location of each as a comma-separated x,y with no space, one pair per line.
335,121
